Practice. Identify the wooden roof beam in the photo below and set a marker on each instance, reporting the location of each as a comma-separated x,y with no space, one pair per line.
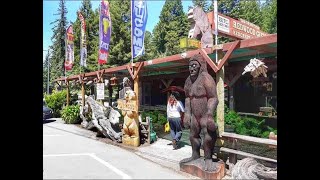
228,54
248,43
209,60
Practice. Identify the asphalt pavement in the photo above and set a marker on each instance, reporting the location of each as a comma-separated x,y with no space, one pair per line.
71,152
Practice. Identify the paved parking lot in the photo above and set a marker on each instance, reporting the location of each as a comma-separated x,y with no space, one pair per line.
68,155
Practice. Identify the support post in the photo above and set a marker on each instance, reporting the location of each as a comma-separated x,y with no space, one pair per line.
231,98
83,93
220,93
68,95
110,89
136,90
233,157
231,88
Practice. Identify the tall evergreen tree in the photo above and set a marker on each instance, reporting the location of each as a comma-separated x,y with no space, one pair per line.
45,72
201,3
173,26
58,46
91,18
120,44
249,10
269,16
227,7
150,49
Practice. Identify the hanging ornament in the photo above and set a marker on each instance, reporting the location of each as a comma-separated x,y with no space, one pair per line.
256,67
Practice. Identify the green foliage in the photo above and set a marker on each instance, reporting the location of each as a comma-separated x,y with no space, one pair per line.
231,117
45,72
173,26
157,116
266,133
120,44
247,125
92,35
250,11
58,39
162,119
202,4
269,16
55,101
71,114
150,49
227,7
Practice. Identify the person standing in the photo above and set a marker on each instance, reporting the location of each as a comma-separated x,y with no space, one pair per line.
175,110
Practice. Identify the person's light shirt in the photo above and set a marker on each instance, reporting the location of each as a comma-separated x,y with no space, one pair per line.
174,110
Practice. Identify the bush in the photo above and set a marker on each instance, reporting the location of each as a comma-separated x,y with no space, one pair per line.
246,125
55,101
231,117
71,114
157,116
162,119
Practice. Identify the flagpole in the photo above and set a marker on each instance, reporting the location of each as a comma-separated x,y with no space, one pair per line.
64,64
216,26
99,34
81,63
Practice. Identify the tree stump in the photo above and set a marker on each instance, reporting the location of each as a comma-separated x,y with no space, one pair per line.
196,168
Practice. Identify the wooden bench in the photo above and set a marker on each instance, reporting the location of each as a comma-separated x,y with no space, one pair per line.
234,152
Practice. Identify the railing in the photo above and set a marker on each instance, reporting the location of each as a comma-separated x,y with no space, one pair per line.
234,138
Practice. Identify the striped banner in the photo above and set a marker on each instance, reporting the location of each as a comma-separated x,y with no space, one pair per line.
104,32
83,41
69,49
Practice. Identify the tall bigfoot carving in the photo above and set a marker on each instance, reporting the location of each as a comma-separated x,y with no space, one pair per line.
201,101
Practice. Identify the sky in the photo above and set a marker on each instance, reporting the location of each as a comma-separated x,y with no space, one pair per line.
50,8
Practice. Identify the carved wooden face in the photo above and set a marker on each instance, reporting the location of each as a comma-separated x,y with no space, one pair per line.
194,68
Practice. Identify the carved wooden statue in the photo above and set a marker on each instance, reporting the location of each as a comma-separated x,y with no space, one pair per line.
201,101
131,119
202,28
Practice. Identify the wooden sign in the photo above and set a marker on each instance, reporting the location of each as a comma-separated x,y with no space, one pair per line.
189,43
235,29
100,90
127,105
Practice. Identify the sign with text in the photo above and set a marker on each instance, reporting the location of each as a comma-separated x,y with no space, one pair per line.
138,26
235,29
127,105
100,90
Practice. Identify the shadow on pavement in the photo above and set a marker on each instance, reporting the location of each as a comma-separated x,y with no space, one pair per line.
48,121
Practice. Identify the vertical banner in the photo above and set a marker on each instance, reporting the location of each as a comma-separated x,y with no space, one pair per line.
139,17
69,49
83,41
104,32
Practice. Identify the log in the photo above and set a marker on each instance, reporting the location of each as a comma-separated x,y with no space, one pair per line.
102,118
249,168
